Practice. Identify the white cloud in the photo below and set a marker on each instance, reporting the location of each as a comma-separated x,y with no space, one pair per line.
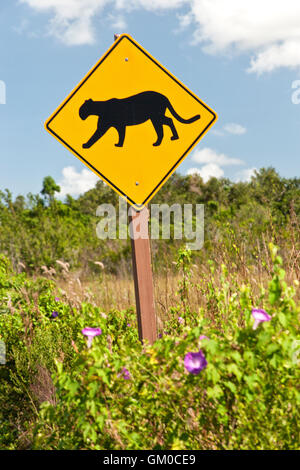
267,29
71,20
185,20
279,55
22,27
207,171
214,170
193,171
117,23
210,156
217,132
76,183
230,128
150,5
235,129
245,175
213,163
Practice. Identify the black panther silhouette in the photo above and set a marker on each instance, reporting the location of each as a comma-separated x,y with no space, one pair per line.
119,113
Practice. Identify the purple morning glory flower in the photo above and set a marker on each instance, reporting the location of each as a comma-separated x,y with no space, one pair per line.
194,362
180,320
90,333
126,373
128,324
203,337
54,314
57,299
259,316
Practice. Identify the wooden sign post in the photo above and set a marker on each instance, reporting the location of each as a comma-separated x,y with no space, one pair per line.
142,273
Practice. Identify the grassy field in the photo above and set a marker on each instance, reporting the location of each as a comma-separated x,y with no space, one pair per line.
224,371
117,292
56,393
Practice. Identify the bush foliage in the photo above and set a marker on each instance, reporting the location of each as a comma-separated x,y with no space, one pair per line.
56,393
240,219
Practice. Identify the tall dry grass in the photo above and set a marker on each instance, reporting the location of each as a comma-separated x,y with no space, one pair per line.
117,292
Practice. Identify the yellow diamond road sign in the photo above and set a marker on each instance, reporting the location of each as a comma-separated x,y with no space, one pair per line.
131,121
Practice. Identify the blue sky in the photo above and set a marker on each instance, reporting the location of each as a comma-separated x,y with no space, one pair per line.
241,58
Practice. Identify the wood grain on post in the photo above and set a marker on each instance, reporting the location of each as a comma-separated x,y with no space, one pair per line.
142,272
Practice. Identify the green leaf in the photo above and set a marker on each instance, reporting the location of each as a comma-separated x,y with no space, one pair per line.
251,381
271,348
282,319
214,392
233,369
231,386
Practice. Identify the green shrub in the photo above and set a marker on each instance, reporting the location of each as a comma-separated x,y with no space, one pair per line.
56,393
